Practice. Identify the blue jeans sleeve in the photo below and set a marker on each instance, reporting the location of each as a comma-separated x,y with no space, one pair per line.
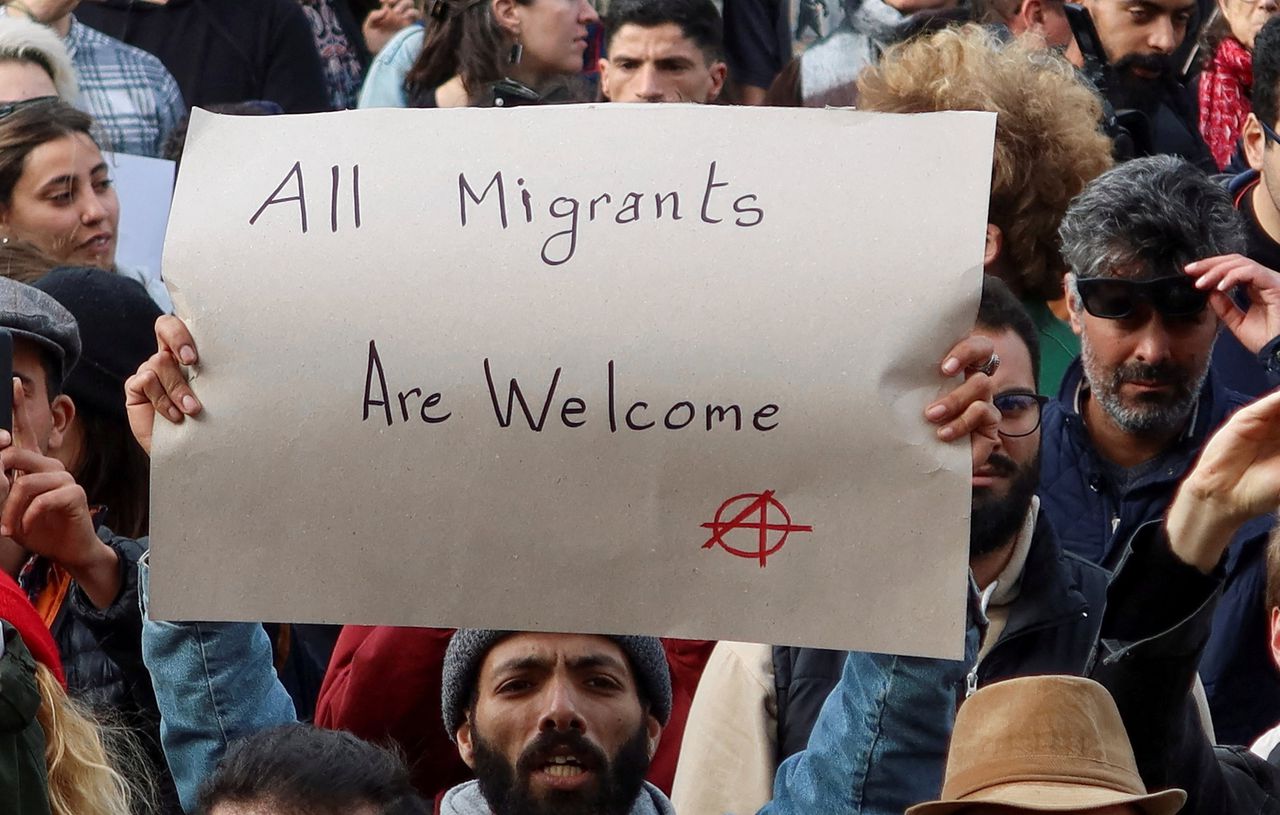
215,684
880,742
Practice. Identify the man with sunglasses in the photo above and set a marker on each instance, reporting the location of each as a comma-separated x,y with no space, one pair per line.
1135,409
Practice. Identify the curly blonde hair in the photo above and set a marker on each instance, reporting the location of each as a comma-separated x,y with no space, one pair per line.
1048,145
82,778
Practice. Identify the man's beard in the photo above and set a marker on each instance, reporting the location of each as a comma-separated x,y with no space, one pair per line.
995,519
1149,414
617,782
1140,93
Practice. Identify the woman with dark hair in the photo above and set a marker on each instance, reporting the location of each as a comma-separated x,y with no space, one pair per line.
56,190
1226,81
526,49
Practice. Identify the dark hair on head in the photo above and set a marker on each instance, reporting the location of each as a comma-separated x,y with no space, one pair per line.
115,472
1266,73
298,769
698,21
999,310
1149,217
463,39
27,126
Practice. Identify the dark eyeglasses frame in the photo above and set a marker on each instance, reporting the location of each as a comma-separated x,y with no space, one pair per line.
1267,131
1040,399
1141,292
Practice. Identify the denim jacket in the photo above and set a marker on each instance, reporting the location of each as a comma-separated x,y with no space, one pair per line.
880,742
215,684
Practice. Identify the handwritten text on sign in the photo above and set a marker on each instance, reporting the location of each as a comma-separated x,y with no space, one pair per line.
560,246
575,369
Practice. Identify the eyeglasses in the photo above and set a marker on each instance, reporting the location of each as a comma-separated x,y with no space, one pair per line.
1019,413
1114,298
9,107
1271,135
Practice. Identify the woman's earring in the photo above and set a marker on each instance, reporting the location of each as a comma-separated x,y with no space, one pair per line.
517,52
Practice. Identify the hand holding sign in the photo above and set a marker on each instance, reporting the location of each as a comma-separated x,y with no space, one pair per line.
564,390
160,385
969,410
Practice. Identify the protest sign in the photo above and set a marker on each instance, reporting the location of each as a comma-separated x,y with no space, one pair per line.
630,369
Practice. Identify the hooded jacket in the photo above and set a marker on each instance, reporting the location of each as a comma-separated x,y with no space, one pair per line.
1094,520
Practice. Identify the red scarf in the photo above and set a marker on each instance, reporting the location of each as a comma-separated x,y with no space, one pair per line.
1225,85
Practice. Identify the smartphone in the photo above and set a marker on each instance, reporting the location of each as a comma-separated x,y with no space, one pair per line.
6,378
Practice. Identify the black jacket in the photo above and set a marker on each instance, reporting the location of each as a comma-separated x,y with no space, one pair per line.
1158,619
1052,629
223,51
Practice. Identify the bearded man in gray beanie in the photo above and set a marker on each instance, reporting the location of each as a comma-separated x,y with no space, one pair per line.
555,724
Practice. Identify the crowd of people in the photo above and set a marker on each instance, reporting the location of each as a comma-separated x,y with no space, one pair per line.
1122,650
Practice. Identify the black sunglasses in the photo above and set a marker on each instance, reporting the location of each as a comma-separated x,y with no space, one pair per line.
1114,298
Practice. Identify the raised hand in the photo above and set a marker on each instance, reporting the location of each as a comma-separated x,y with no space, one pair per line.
1260,322
1237,478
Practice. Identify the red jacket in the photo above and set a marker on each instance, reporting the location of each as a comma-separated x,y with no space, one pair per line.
383,685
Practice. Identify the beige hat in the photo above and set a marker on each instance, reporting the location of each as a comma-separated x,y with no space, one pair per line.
1043,744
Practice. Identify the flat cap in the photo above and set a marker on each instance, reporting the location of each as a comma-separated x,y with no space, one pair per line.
30,314
468,647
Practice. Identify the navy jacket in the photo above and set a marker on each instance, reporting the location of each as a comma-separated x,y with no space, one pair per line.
1095,521
1052,629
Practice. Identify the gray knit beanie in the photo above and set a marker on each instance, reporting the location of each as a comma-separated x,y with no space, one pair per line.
468,646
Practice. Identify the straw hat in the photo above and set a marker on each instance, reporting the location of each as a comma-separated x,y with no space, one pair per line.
1043,744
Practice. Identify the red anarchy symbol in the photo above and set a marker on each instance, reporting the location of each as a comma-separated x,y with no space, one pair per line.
758,504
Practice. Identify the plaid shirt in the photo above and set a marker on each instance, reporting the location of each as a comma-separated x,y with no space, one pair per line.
130,93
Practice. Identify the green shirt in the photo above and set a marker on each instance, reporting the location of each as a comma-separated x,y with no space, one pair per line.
1059,345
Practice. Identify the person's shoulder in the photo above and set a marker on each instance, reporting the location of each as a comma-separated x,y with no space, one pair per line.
408,39
122,52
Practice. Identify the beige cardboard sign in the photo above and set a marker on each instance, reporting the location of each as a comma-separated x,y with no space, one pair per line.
629,369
